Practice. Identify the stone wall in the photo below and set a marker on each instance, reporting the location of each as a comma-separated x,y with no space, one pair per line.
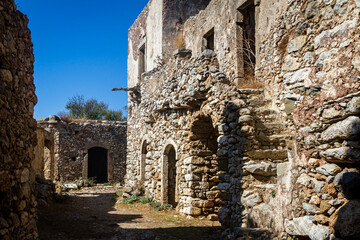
287,156
66,154
310,64
155,29
17,126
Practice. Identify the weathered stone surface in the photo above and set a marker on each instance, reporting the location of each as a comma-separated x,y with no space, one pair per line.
328,169
298,79
305,226
297,43
345,220
311,209
342,154
346,129
354,105
263,169
252,200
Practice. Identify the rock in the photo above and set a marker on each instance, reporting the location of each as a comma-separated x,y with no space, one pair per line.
263,169
305,226
324,56
25,175
354,105
261,214
289,106
341,6
317,185
297,43
345,220
314,200
349,184
212,217
298,78
328,169
311,9
339,31
208,53
136,192
310,209
342,154
322,219
331,113
357,3
193,211
126,195
5,75
346,129
71,186
252,200
324,206
304,179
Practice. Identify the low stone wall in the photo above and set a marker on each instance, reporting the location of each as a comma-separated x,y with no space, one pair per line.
17,126
67,143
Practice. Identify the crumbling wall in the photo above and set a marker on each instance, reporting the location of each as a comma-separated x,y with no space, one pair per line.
17,126
70,142
312,75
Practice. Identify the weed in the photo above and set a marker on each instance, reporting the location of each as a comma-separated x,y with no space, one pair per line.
107,184
273,193
92,181
167,206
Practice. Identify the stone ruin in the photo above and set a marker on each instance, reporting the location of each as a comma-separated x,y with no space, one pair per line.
254,118
17,126
71,149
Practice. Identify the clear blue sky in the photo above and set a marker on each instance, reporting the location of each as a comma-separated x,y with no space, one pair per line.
80,47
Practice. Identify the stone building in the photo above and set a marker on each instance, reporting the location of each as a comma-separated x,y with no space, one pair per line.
17,126
74,149
256,121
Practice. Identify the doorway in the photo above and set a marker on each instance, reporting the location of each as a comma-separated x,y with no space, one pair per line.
98,164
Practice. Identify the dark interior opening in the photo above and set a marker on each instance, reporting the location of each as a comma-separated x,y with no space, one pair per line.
248,32
144,151
210,39
142,60
97,163
172,177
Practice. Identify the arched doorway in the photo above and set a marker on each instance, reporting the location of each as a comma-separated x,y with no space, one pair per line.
144,151
98,164
170,176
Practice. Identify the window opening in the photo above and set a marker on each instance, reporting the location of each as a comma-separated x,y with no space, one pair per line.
210,40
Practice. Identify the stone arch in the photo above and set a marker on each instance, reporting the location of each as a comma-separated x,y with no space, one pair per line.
169,174
109,156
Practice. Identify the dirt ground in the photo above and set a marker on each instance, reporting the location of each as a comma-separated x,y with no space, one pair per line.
91,213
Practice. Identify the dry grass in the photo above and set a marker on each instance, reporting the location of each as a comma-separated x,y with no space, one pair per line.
179,41
249,81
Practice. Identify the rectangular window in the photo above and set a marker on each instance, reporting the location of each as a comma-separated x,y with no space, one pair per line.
248,47
209,38
142,60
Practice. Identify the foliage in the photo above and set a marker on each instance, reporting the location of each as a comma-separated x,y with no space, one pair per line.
145,200
107,184
273,193
113,115
92,181
79,108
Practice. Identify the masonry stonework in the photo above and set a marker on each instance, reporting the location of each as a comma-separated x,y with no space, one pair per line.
283,156
73,149
17,126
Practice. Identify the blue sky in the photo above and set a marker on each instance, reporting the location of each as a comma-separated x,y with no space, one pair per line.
80,47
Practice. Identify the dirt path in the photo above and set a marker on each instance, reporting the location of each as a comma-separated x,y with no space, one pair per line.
91,213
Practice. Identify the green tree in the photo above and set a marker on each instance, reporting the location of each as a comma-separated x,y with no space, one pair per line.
91,109
94,109
113,115
76,106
